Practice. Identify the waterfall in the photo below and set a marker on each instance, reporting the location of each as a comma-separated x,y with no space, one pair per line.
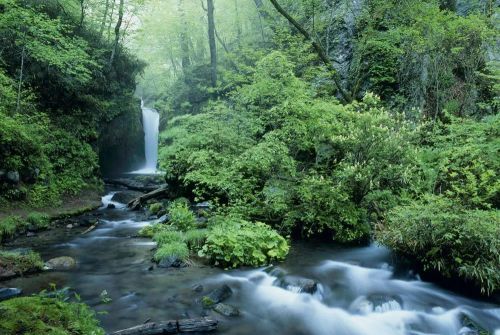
151,124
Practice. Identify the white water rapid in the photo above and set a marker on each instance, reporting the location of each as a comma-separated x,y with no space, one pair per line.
151,124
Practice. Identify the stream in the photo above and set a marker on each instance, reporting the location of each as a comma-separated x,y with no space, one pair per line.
357,291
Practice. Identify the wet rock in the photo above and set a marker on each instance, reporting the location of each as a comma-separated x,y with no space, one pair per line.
111,206
69,226
13,177
164,218
6,273
171,262
297,284
226,310
9,293
30,234
469,327
385,303
203,205
216,296
124,197
467,331
61,263
198,288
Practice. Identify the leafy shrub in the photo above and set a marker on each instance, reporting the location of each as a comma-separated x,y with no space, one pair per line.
168,236
38,220
233,242
181,216
195,238
173,250
39,315
447,238
155,208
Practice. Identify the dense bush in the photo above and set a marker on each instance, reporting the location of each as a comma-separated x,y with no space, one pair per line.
38,315
447,238
233,242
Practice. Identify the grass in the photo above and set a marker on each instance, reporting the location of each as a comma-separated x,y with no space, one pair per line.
21,264
11,225
38,220
195,238
168,236
178,250
39,315
155,208
150,230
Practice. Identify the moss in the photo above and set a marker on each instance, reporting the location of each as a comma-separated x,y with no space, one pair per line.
168,236
178,250
195,238
38,315
207,302
20,263
38,220
155,208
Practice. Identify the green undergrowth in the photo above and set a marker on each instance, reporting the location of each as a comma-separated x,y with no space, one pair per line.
39,315
20,263
11,226
233,242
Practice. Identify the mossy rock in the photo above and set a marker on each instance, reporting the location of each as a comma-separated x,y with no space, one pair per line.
39,315
14,264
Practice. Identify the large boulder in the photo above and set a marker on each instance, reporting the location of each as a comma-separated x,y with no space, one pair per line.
9,293
125,197
217,296
63,263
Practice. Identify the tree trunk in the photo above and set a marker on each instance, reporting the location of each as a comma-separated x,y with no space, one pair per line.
18,105
117,32
82,12
104,19
202,325
211,43
137,203
185,59
111,18
319,50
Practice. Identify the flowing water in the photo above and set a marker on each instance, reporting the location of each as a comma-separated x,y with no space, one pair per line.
151,124
357,290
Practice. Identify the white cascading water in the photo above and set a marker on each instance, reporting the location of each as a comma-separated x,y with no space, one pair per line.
151,124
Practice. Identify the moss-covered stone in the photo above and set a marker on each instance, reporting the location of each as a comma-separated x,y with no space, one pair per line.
38,315
14,264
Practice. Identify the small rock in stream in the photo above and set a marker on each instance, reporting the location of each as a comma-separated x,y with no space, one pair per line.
9,293
226,310
111,206
61,263
198,288
69,226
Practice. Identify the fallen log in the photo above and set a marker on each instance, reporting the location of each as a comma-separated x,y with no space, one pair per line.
202,325
137,202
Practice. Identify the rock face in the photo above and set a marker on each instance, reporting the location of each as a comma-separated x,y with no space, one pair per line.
13,177
125,197
63,263
9,293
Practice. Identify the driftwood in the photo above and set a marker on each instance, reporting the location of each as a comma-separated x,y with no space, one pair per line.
137,202
202,325
90,228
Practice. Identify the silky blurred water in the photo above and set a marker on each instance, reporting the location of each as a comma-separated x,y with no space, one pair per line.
110,259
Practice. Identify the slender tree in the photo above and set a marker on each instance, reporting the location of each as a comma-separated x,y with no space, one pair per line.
184,37
211,42
346,96
117,31
104,18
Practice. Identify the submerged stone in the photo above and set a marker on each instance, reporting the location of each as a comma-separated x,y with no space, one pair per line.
61,263
9,293
226,310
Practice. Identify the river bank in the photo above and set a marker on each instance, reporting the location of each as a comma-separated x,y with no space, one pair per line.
351,290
